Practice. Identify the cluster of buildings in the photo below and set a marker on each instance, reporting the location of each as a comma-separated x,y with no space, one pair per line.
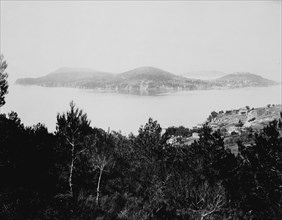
180,140
233,123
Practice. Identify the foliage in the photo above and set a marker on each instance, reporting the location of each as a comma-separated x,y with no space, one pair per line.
3,80
258,176
178,131
82,172
213,115
71,130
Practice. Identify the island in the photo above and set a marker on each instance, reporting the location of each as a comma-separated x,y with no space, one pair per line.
143,81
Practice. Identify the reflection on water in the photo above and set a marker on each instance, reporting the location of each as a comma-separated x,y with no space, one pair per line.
127,112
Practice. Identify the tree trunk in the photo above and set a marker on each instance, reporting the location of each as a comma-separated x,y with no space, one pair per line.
71,170
98,187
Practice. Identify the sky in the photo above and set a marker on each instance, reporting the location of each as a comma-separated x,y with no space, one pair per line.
115,36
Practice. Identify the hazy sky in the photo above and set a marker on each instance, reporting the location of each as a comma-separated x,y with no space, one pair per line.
39,37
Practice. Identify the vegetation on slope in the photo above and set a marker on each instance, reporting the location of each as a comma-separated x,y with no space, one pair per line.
246,78
148,73
80,172
83,172
142,80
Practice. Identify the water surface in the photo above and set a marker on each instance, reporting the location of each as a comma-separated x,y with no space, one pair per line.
128,112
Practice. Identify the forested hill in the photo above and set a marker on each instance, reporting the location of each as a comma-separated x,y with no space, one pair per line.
142,80
69,77
83,172
245,78
149,73
73,74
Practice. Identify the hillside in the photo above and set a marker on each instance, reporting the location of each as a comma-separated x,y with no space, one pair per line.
242,122
245,117
72,74
245,78
67,77
142,80
234,125
148,73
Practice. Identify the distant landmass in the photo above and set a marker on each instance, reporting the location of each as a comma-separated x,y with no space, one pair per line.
148,73
71,77
143,80
241,79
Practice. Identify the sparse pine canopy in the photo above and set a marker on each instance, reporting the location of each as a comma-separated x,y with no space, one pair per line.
72,122
3,80
72,127
150,134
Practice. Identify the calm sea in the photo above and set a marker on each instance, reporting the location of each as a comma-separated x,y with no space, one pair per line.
126,113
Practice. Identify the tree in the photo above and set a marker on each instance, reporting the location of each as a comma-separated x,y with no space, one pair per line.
256,188
143,176
72,127
213,115
148,146
207,200
101,152
240,123
149,136
26,168
3,81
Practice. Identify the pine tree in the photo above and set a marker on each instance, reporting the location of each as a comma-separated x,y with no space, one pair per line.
3,81
72,127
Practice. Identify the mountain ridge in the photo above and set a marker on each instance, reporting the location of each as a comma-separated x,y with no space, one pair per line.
148,73
146,79
245,78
